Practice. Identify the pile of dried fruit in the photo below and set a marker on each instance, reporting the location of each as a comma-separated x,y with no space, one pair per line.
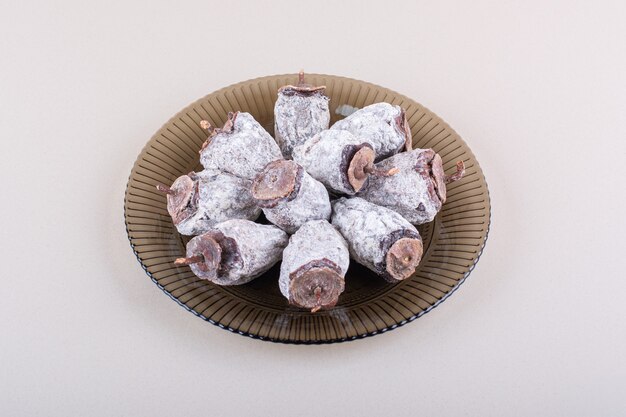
354,190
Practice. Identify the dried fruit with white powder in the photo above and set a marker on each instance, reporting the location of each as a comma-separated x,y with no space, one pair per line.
378,238
314,266
198,201
241,147
339,160
418,190
300,112
289,196
382,125
234,252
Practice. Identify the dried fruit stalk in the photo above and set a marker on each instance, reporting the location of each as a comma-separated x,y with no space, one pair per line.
314,266
241,148
378,238
289,196
382,125
198,201
300,112
234,252
339,160
418,190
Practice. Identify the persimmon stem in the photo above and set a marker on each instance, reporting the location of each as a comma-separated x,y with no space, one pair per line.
189,261
460,171
372,169
165,189
204,124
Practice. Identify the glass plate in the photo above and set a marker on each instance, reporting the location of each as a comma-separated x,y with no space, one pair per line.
369,306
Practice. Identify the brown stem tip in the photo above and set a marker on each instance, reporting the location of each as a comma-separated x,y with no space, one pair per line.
380,172
362,165
460,171
301,78
302,87
204,124
196,259
165,189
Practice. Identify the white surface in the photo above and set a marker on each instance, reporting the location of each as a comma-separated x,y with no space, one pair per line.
537,89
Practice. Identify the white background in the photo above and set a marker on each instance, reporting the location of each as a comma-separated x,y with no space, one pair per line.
536,88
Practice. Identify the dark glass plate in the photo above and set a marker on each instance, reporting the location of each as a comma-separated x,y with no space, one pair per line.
452,243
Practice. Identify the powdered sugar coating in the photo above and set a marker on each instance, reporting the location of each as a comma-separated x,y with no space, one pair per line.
366,226
410,192
256,249
315,240
222,197
243,152
311,203
298,117
260,247
376,124
323,158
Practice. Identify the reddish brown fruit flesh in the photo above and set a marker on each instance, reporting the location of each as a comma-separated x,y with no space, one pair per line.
403,257
277,180
315,288
362,165
361,162
179,197
207,257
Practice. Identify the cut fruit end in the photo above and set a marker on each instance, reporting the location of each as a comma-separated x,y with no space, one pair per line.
439,177
316,288
403,257
205,254
361,165
276,180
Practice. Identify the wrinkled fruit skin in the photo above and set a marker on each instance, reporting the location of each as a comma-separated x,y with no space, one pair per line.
372,231
298,116
247,250
211,199
415,191
382,125
308,201
327,157
241,151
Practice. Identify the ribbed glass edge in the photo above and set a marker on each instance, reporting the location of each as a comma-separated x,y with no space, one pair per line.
328,341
